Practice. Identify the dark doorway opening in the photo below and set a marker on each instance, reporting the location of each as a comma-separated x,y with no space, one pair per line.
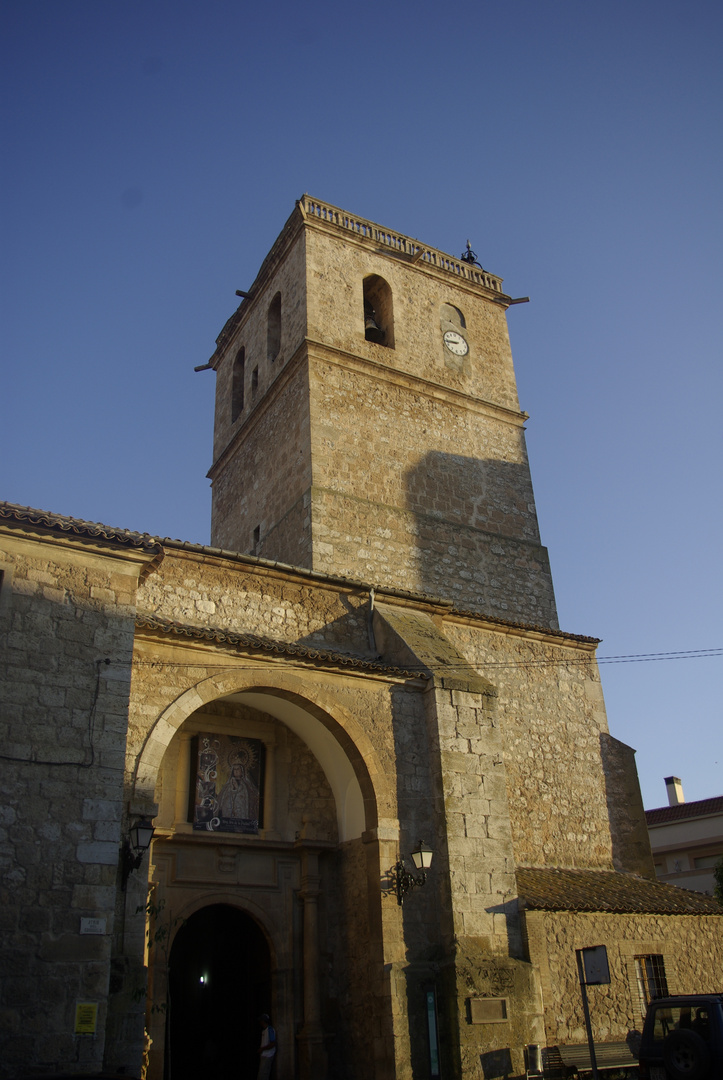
220,982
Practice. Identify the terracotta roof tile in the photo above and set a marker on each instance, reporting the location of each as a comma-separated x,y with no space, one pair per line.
553,889
92,530
252,643
683,811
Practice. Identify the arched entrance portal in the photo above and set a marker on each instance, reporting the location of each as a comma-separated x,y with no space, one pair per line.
296,870
220,982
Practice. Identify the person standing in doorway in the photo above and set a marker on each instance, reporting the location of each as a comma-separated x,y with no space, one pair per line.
267,1049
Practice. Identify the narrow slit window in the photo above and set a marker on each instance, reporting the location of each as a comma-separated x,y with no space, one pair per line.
273,329
237,384
254,380
6,590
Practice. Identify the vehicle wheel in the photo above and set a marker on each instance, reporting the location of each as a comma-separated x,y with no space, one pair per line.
686,1056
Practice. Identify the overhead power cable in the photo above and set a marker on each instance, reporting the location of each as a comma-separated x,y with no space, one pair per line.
625,658
483,663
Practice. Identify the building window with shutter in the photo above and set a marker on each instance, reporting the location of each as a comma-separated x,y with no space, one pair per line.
650,974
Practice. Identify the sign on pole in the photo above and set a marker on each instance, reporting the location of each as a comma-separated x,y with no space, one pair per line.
592,970
595,965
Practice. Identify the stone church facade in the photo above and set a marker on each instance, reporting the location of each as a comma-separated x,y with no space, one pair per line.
367,655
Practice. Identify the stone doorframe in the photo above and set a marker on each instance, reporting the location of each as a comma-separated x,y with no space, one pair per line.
354,771
175,914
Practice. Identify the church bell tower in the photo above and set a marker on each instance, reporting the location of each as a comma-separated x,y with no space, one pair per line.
367,421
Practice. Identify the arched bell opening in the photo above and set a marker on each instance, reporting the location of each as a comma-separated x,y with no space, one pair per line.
273,329
378,311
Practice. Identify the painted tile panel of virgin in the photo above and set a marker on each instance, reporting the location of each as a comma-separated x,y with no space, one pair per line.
228,783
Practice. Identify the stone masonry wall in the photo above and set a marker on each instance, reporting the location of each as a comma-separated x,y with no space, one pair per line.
552,716
203,590
251,335
64,717
398,549
446,504
336,268
264,476
631,840
480,941
691,946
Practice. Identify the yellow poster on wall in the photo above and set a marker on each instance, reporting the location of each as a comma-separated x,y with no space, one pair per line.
86,1017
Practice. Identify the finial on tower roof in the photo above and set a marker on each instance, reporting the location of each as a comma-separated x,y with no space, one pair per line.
469,256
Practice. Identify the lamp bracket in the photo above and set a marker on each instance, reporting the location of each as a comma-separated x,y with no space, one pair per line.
403,880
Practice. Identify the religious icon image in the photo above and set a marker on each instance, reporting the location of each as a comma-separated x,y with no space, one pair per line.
228,781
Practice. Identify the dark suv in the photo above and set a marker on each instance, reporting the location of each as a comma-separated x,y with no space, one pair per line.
683,1038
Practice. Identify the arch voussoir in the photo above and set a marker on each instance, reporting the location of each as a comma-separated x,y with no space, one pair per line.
353,744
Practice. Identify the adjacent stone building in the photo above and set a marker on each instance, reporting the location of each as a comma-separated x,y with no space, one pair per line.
367,656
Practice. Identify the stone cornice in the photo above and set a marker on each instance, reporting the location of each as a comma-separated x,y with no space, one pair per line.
416,383
353,229
317,350
324,217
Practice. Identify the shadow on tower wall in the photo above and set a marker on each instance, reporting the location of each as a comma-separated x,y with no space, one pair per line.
477,538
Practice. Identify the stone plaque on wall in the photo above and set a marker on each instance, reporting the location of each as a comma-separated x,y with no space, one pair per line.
488,1010
228,783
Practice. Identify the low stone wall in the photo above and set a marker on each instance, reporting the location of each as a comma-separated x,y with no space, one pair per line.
691,947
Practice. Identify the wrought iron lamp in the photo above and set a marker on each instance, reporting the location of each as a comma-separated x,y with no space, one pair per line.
135,848
403,879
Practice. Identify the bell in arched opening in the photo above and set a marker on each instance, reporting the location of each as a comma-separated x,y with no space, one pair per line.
372,329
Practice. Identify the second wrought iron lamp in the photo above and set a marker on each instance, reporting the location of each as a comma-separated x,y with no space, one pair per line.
404,879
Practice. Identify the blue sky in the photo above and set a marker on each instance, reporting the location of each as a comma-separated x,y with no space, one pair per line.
154,150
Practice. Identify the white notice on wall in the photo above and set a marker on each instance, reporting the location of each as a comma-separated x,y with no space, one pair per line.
92,926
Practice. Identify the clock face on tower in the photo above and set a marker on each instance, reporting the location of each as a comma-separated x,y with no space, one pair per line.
455,343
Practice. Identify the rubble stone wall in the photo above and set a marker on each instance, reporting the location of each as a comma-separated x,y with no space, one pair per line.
203,591
691,947
264,477
66,638
551,715
252,336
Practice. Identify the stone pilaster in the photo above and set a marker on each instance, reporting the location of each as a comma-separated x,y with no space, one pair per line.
480,944
312,1053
